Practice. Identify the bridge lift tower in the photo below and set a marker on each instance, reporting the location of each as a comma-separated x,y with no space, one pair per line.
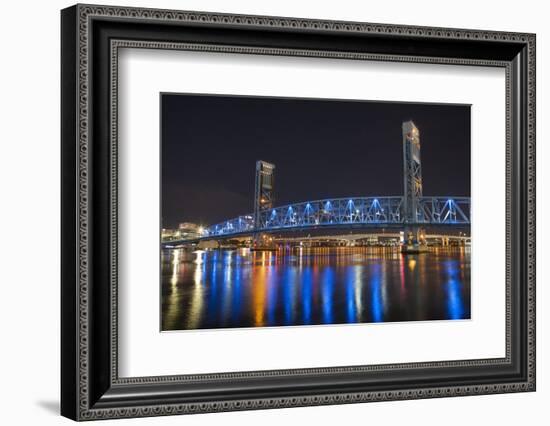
263,194
412,182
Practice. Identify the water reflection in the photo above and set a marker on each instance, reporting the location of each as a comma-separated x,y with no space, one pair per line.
455,305
243,288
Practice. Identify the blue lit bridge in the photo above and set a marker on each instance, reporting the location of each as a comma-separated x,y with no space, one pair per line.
409,212
357,212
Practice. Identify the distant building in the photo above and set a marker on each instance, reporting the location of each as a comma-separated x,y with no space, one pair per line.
184,231
169,234
189,230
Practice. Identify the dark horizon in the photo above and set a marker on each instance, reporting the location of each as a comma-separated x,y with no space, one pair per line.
321,149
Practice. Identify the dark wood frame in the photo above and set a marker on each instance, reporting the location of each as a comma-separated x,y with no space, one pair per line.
90,386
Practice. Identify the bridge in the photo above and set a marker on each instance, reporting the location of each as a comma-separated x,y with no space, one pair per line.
410,212
357,212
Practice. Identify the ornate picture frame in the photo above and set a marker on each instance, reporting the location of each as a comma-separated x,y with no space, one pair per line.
91,37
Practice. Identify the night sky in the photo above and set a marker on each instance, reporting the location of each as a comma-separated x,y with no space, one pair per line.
320,148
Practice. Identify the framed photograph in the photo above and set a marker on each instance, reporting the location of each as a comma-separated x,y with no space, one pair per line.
263,212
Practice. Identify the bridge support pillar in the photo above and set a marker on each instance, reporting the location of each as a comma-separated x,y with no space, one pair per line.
263,241
412,185
414,240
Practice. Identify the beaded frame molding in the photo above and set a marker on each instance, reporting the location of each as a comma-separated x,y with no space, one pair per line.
91,38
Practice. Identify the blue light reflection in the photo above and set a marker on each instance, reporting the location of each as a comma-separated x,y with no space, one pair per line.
455,304
376,293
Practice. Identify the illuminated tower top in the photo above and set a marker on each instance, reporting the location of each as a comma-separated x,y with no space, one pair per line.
412,170
264,189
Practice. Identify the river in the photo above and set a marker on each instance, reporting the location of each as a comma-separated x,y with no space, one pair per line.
243,288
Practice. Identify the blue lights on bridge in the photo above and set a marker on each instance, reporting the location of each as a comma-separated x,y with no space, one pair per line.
346,212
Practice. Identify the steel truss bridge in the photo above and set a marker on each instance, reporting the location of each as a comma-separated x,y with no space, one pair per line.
374,212
409,212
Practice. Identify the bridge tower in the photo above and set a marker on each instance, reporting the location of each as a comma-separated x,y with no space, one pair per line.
412,181
264,191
